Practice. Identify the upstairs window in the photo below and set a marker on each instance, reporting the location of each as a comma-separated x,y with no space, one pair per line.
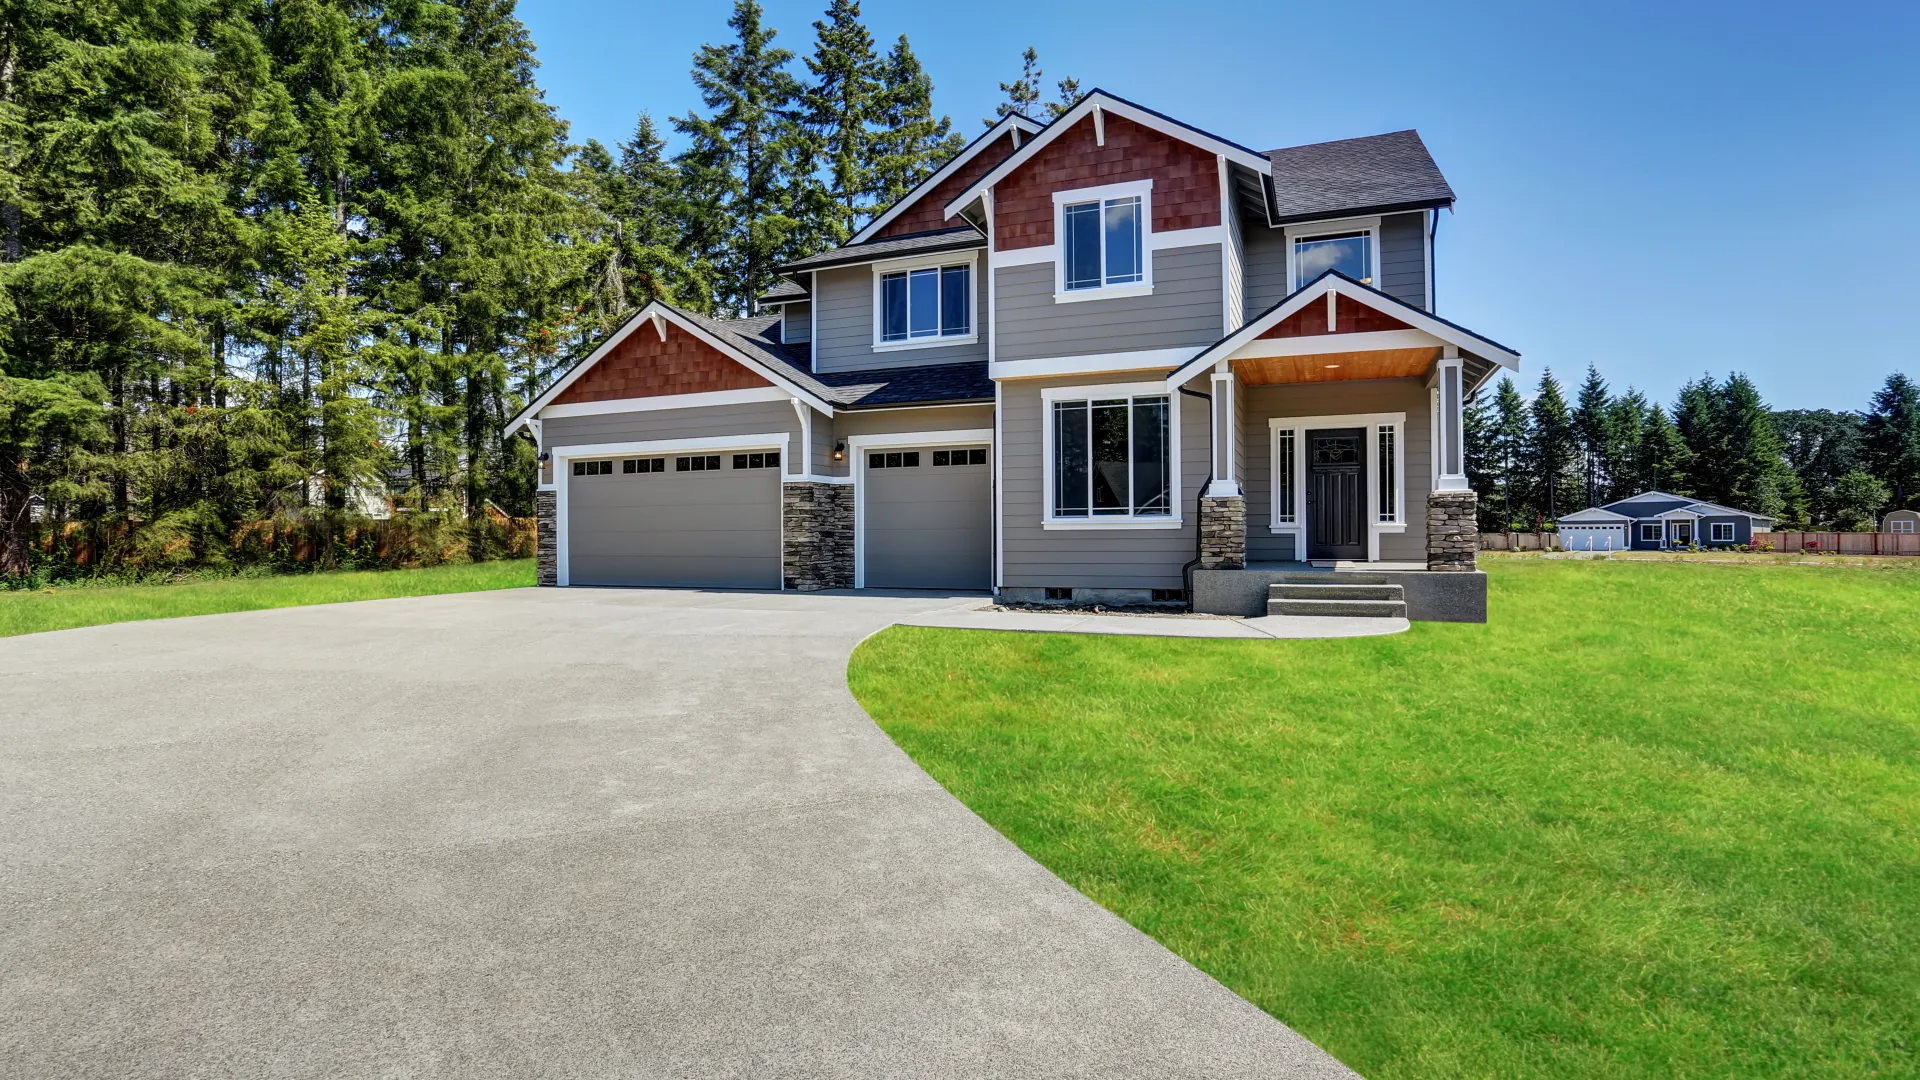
1352,255
1104,245
926,304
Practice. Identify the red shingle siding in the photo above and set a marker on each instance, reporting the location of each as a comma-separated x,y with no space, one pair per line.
928,211
1350,317
644,366
1186,180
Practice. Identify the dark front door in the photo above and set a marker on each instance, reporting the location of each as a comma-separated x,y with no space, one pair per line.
1336,495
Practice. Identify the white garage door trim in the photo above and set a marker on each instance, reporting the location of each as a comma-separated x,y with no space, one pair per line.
562,454
917,439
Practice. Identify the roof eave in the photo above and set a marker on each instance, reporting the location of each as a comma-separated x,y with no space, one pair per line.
858,259
1279,220
1013,121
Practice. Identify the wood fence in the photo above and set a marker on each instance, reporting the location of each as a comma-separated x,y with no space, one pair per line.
1841,543
1520,541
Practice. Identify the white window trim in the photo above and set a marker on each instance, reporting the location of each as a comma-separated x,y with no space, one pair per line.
563,455
1051,394
1658,526
858,445
1369,225
1713,532
1900,527
969,259
1061,199
1371,423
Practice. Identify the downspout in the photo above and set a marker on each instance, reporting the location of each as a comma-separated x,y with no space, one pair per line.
1186,572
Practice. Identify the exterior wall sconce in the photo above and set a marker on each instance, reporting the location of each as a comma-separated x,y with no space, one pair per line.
840,450
546,456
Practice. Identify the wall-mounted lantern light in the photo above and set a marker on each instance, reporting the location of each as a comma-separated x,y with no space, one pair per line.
840,450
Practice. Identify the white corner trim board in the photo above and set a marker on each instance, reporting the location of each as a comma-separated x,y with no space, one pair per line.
857,445
780,440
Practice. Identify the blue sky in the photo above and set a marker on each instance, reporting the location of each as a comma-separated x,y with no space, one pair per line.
1657,189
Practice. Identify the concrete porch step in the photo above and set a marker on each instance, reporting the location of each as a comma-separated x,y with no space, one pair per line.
1379,609
1319,591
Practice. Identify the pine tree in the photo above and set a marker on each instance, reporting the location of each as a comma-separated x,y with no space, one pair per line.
1627,415
843,103
1024,95
1552,450
1702,473
1757,477
911,144
1591,426
1660,457
1507,452
1483,468
739,168
1891,437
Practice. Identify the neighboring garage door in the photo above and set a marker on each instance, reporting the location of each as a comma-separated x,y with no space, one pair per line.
708,520
1593,537
926,521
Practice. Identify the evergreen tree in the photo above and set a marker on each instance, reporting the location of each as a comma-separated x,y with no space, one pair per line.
1660,456
1592,429
1627,416
1757,477
1693,417
1553,448
911,144
1821,447
739,170
843,103
1891,437
1024,95
1857,501
1507,453
1483,469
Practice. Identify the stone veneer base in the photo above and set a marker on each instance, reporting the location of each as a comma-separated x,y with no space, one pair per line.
546,552
1223,532
816,535
1453,531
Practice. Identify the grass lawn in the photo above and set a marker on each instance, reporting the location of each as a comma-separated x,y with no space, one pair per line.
64,608
1656,819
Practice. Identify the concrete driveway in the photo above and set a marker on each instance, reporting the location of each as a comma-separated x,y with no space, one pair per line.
539,833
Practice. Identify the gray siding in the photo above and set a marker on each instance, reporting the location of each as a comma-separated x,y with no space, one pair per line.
1403,262
845,322
754,418
1335,399
1034,557
1266,267
888,421
1403,258
1183,310
795,323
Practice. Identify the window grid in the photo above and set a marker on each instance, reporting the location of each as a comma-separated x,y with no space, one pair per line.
1104,243
697,463
1284,487
1091,437
959,457
644,465
1389,497
593,468
769,460
926,303
1721,532
1650,534
894,459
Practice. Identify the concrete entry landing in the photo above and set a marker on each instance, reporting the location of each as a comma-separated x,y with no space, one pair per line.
539,833
1431,596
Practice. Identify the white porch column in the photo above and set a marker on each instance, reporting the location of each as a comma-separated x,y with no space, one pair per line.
1450,462
1225,418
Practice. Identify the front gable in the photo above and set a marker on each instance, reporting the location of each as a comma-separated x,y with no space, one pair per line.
927,212
1334,317
1186,179
642,365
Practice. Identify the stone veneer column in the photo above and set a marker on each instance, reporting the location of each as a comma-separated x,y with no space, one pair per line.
1223,532
546,538
1453,531
816,530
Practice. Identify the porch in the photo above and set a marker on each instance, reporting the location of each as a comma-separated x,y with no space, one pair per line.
1337,424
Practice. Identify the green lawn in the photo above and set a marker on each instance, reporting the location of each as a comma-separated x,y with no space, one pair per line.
64,608
1655,820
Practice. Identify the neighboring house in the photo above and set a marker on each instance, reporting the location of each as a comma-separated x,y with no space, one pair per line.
1087,360
1658,521
1901,521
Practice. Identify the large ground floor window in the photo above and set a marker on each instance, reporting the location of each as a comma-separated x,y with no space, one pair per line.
1112,456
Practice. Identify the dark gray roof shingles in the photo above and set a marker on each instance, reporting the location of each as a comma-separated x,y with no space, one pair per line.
782,292
966,236
1377,172
851,389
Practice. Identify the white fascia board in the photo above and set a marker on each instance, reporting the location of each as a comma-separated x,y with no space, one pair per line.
956,437
1593,514
1088,364
1230,345
1113,106
666,401
973,150
647,316
773,440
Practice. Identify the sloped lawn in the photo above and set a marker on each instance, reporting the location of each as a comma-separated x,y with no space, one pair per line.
1655,820
66,607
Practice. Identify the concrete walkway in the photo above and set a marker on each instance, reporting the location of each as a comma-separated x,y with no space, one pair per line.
984,616
539,833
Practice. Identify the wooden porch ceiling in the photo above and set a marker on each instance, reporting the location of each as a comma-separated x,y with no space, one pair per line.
1336,366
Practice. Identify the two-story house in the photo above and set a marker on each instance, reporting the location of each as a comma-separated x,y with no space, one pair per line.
1113,357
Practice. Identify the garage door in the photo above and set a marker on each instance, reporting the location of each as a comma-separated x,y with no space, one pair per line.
705,520
926,523
1593,537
